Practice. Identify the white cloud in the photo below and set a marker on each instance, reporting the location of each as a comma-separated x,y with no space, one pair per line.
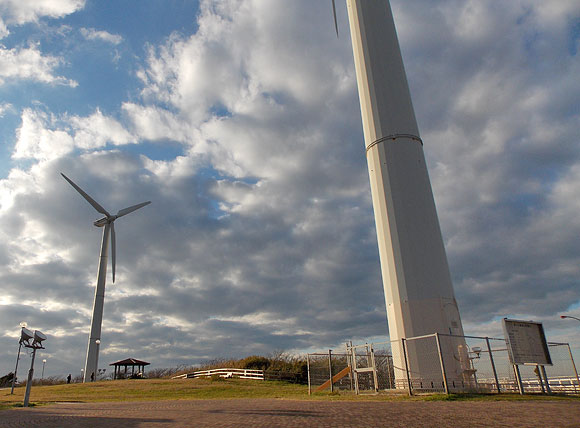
105,36
3,29
35,139
263,218
18,12
43,136
97,130
155,123
30,64
5,107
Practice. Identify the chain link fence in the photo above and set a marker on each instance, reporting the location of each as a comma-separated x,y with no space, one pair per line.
439,363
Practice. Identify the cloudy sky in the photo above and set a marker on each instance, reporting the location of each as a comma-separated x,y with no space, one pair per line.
240,121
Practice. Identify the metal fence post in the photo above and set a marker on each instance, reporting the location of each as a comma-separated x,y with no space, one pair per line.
375,377
574,366
330,369
389,366
308,365
406,366
354,369
445,385
349,362
492,365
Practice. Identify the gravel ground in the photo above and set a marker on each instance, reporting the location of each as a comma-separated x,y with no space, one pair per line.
290,413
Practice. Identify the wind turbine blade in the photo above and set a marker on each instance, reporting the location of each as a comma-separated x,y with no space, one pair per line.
334,13
113,249
90,200
128,210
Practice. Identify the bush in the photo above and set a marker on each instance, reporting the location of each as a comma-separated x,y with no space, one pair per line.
255,362
6,380
277,366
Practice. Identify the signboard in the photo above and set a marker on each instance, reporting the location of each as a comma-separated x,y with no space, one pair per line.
526,342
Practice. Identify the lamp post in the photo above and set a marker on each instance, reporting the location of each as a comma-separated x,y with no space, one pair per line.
569,316
42,376
16,368
39,337
25,336
95,374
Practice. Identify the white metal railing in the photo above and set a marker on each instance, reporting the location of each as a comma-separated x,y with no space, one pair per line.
492,373
557,384
225,373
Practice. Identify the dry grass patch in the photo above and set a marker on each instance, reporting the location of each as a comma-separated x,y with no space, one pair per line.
202,389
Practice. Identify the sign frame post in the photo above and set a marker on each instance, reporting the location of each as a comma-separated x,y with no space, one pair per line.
527,345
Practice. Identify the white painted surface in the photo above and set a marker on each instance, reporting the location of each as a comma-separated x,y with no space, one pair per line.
92,361
417,283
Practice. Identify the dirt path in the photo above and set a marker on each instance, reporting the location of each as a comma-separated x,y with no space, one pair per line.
301,414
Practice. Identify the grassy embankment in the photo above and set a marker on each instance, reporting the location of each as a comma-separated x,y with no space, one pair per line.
194,389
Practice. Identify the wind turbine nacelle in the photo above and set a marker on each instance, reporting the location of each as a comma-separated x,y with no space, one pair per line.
101,222
25,335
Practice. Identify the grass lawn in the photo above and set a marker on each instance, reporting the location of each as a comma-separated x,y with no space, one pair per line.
199,389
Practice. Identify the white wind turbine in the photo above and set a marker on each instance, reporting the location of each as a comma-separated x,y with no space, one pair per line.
416,280
108,225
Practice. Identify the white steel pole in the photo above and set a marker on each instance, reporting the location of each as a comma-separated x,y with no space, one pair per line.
92,361
416,279
29,381
308,366
16,368
330,369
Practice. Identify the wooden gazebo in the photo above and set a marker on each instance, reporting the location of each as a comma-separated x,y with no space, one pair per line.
129,362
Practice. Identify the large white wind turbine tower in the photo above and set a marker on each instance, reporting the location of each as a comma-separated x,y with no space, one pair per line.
416,279
108,225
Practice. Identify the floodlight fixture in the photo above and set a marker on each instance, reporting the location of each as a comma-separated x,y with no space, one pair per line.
476,350
25,335
39,337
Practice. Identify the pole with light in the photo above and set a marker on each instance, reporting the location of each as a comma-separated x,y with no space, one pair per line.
39,337
43,364
570,351
25,336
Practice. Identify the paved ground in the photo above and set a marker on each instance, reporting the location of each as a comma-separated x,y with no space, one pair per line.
302,414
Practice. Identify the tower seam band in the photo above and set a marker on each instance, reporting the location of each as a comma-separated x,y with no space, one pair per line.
393,137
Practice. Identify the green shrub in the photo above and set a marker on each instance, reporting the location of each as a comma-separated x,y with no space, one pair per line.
255,362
